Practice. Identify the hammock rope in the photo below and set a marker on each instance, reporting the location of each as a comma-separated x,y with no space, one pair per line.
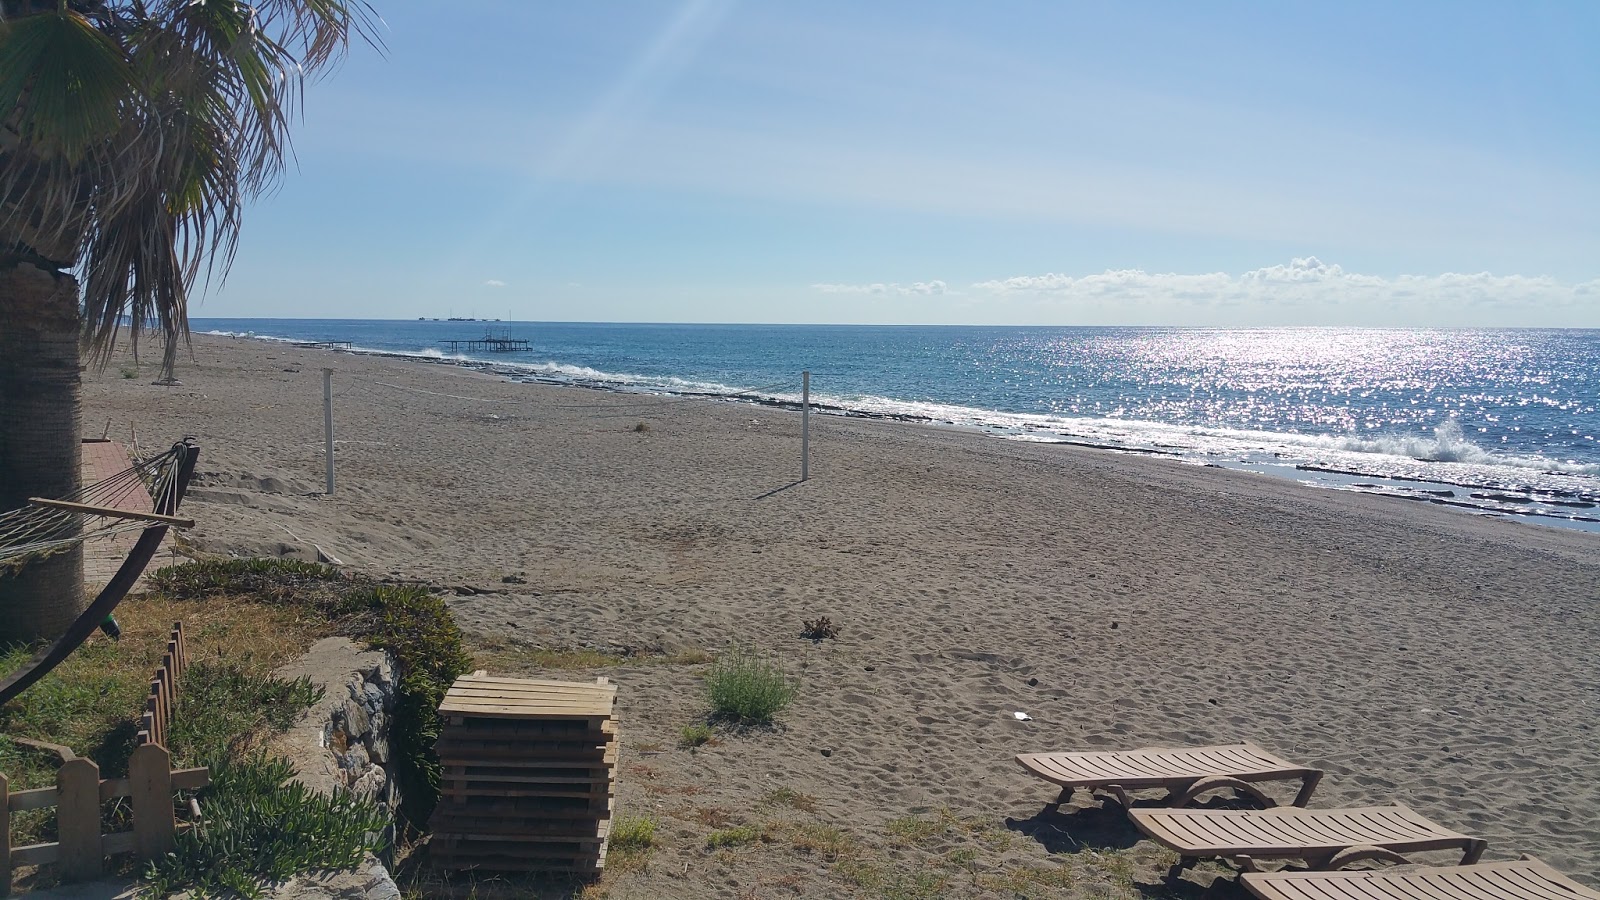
31,530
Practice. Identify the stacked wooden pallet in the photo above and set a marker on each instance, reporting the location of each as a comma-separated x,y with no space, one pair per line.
527,775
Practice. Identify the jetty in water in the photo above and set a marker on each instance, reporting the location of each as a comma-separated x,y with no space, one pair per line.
490,343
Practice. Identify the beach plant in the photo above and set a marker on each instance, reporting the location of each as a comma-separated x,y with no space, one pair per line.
786,796
262,826
737,836
746,687
632,834
819,628
134,135
695,735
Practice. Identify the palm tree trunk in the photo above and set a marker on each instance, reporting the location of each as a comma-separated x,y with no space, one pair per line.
40,444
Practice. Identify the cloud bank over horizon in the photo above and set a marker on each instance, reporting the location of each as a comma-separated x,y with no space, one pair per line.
1305,284
922,288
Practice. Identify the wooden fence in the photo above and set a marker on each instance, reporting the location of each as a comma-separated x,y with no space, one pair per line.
158,706
79,796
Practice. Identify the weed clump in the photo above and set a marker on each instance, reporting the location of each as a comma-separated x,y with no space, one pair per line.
745,687
695,735
819,628
633,834
736,836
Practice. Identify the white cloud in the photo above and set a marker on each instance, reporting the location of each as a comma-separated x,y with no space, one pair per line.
1304,282
922,288
494,282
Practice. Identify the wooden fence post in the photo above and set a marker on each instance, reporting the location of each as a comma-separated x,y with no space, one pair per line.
155,826
5,837
78,820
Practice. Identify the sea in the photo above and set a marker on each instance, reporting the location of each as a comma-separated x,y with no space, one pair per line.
1494,422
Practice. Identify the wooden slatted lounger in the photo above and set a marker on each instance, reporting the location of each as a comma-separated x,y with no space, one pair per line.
1186,772
1528,879
1323,838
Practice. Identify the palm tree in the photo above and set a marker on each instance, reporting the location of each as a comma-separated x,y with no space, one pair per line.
132,133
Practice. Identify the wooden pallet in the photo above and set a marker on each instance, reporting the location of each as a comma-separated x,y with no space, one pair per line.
527,779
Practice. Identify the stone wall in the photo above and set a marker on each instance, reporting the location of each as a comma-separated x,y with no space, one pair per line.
343,742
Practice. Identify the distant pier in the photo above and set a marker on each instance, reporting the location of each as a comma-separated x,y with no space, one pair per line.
490,343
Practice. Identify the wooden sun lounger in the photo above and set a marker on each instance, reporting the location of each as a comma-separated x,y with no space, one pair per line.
1323,838
1528,879
1186,772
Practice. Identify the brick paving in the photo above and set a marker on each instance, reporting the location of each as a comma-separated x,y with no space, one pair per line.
103,556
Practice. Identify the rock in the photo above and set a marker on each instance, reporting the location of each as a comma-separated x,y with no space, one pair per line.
356,759
827,751
372,783
357,723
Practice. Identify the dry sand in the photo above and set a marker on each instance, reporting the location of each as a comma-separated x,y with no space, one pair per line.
1420,655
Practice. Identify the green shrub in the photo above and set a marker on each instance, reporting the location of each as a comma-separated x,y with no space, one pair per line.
744,686
260,826
417,628
695,735
286,581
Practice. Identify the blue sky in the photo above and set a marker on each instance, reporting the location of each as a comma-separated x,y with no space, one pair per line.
1049,163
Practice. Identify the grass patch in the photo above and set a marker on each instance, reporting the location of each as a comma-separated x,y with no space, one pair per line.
920,829
882,882
825,842
696,735
261,826
746,687
633,834
223,709
791,798
633,839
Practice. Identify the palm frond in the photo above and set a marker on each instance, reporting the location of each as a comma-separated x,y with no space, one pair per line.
63,84
132,134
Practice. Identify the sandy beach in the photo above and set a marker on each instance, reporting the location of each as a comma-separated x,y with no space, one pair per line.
1419,654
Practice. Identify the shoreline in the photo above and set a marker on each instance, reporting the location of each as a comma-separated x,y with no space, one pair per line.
1417,654
1547,506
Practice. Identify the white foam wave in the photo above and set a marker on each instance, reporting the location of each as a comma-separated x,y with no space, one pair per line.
1449,445
1446,445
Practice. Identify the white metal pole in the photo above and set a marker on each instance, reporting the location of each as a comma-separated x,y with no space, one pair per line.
327,420
805,425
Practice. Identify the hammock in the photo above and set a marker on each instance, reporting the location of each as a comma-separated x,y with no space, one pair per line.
93,511
53,526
